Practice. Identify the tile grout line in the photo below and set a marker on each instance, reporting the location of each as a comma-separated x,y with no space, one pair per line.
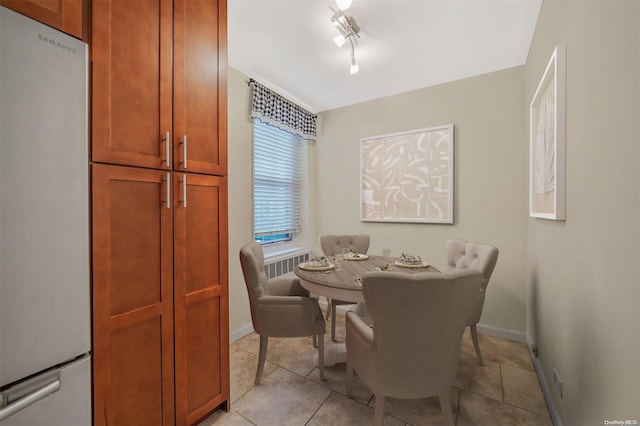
319,406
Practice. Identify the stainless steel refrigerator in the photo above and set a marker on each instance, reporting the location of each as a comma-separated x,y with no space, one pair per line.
45,363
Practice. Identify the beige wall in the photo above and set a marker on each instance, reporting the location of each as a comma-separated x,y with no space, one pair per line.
240,154
583,280
490,180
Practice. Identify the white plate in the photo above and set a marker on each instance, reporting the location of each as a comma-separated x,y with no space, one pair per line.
360,257
409,265
308,267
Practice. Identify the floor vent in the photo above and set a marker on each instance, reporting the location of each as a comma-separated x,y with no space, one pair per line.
285,264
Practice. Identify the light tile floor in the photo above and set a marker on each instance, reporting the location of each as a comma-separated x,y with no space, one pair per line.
504,392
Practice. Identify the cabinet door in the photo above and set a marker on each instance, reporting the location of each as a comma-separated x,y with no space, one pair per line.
201,295
68,16
132,297
131,77
200,81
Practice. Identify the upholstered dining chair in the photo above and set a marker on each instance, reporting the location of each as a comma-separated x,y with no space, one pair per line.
412,348
463,254
280,307
332,245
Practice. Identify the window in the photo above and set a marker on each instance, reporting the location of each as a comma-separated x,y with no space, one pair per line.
277,165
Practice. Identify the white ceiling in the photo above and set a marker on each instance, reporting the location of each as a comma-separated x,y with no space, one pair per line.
404,45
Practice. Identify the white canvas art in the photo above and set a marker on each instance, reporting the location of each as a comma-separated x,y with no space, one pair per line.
547,140
408,176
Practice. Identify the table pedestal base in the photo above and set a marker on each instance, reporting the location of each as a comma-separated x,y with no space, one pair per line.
335,352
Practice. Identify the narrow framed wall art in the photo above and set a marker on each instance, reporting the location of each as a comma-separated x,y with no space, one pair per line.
547,141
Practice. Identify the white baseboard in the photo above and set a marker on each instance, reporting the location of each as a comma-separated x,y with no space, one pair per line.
240,332
503,333
546,390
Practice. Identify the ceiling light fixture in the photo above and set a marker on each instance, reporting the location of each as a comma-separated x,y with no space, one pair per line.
354,66
349,30
343,4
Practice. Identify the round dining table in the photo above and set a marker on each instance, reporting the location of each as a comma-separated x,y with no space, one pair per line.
341,279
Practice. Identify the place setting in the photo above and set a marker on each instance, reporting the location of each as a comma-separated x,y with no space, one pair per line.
355,256
317,264
407,260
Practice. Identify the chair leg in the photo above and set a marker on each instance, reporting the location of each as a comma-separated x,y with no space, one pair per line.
333,322
315,341
445,406
476,346
378,417
329,303
321,355
349,379
262,356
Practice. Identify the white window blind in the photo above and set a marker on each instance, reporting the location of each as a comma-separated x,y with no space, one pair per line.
276,183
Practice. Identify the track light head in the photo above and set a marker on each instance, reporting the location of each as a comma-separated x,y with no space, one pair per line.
348,28
339,40
354,65
343,4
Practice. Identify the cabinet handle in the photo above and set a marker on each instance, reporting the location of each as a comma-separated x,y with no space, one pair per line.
168,190
167,139
184,191
184,151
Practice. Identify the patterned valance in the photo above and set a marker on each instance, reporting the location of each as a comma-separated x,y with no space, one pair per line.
274,109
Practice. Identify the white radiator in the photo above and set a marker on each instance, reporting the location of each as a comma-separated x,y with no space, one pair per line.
285,264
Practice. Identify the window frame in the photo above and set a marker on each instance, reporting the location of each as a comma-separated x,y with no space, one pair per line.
293,180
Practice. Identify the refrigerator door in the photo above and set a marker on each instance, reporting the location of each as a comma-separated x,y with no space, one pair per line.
61,396
44,208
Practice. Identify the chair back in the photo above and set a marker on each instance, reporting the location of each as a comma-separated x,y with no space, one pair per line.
418,321
333,244
465,254
255,276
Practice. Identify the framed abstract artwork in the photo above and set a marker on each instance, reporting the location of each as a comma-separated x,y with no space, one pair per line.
408,176
547,141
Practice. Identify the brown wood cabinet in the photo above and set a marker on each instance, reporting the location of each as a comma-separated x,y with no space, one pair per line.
152,108
160,243
131,44
160,267
68,16
200,86
132,297
201,298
